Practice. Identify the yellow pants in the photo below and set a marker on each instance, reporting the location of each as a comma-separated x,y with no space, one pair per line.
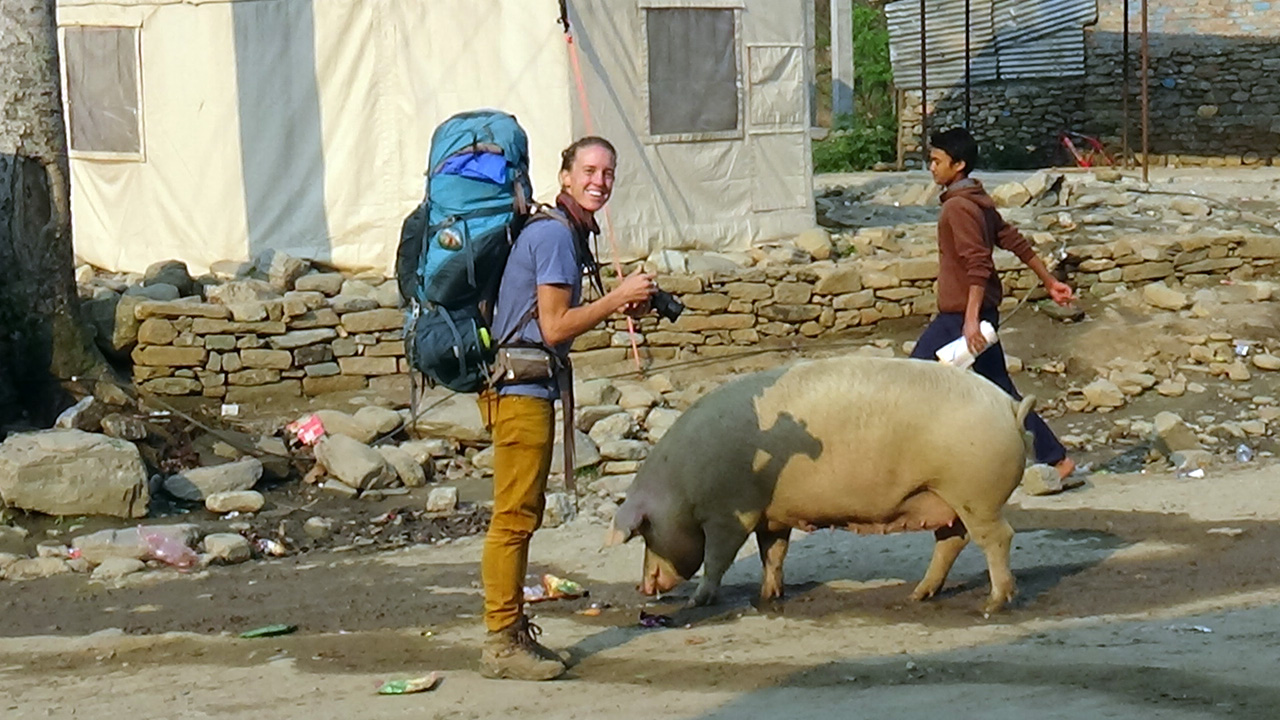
523,430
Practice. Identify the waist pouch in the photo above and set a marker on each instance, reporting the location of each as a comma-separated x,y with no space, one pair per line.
525,363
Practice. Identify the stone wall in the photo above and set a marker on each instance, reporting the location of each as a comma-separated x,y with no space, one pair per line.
316,339
1214,91
246,342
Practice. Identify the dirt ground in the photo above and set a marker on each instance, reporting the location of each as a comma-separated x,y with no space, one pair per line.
1141,597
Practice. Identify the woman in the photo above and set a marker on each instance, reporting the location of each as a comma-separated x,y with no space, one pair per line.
539,302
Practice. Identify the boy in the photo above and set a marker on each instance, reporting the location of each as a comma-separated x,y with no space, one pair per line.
968,287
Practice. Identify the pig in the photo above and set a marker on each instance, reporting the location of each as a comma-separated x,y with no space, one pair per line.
872,445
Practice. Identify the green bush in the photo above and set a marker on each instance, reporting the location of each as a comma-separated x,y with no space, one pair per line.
869,136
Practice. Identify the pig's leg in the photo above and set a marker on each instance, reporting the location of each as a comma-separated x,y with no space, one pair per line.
722,543
773,549
949,542
994,535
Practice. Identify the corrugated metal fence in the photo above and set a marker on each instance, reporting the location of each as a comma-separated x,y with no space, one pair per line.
1008,39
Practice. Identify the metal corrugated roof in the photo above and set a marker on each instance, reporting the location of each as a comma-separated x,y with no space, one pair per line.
1009,39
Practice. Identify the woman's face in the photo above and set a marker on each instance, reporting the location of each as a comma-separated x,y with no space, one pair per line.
590,179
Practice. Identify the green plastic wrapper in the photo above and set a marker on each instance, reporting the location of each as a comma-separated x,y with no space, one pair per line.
405,687
269,631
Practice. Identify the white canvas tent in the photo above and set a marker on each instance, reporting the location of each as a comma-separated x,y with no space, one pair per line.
209,130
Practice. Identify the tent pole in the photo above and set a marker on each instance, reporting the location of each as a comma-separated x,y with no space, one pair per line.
924,93
1146,99
968,117
1124,61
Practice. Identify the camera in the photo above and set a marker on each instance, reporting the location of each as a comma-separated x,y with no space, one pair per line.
666,305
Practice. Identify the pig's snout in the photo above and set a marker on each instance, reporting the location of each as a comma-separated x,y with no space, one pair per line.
659,576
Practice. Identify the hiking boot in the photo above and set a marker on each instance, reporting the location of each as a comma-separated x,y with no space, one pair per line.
515,653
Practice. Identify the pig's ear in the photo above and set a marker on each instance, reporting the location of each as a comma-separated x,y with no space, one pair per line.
626,524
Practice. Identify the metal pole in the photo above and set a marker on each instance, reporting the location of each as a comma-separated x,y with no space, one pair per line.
924,92
1124,61
968,117
1146,100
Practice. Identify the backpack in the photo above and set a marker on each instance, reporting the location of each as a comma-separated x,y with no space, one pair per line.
454,245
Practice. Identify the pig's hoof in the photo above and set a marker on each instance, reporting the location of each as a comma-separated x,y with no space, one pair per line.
702,599
770,593
922,594
994,605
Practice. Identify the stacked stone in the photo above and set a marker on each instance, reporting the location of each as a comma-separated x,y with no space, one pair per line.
247,341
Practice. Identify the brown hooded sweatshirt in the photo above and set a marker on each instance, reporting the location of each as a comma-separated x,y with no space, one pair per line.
969,226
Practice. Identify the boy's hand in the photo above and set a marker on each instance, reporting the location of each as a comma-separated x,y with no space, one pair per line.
1060,292
973,337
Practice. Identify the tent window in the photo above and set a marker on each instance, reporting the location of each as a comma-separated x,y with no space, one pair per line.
693,71
102,90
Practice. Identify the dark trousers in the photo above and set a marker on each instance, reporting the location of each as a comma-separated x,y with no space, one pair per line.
990,365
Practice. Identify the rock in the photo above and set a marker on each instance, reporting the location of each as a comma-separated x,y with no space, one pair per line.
634,395
408,469
1172,434
614,487
280,268
337,422
328,283
163,292
442,499
238,292
318,528
114,568
243,501
228,548
338,488
1191,206
659,421
196,484
275,459
124,427
618,426
624,450
559,510
424,451
126,542
1070,313
1041,479
379,419
353,463
596,392
1173,387
816,242
33,568
1010,195
72,472
483,460
1185,461
1103,393
1266,361
585,452
12,538
1132,383
458,418
170,272
592,414
1162,296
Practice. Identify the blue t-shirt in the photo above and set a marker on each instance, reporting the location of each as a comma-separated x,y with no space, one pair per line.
544,254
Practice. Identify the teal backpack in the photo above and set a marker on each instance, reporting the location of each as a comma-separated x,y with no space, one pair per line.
454,245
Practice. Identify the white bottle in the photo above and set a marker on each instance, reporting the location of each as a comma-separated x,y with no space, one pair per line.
957,352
